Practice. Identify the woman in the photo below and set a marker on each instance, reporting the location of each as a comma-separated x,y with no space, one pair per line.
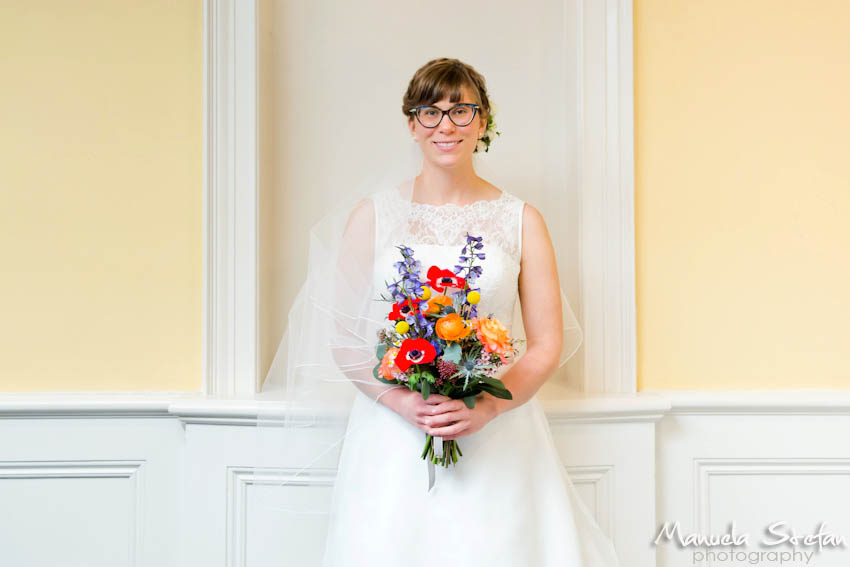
508,501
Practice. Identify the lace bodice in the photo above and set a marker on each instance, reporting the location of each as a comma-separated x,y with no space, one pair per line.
437,234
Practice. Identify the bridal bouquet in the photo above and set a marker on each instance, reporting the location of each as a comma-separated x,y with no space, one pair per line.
438,343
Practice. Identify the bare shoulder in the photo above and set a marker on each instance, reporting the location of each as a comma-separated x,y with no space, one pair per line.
362,214
363,206
537,256
358,237
531,214
534,230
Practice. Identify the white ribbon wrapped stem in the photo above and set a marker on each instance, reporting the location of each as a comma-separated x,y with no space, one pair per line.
437,445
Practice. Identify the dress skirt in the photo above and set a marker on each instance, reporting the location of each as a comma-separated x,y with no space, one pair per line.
507,502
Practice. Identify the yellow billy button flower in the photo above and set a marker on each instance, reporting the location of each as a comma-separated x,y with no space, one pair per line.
402,327
426,293
473,297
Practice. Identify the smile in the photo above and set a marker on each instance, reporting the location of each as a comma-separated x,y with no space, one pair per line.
447,145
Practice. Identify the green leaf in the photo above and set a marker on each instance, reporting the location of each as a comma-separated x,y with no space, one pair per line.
499,393
381,351
426,389
428,377
449,309
469,401
494,382
452,352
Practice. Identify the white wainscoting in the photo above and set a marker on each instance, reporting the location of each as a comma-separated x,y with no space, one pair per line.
607,445
88,488
755,458
165,479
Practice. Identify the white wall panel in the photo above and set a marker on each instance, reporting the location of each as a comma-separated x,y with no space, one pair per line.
89,491
176,482
82,485
755,459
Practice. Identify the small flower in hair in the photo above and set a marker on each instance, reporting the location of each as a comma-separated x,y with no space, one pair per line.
489,134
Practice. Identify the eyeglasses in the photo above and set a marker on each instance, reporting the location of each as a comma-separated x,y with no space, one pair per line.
460,114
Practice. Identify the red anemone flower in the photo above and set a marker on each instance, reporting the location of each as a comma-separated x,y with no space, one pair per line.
414,351
441,279
403,309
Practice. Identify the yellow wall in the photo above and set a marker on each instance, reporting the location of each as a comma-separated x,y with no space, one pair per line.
742,193
101,195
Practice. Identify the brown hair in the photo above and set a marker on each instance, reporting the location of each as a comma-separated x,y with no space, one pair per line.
443,77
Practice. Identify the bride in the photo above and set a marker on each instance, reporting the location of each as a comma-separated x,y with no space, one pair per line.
508,501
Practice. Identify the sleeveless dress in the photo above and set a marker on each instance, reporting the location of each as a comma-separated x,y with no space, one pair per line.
508,501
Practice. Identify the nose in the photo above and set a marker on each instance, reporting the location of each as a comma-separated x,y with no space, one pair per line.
446,125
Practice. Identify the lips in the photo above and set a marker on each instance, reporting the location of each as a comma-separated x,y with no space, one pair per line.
446,146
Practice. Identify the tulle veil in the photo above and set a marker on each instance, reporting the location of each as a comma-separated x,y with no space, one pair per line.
328,351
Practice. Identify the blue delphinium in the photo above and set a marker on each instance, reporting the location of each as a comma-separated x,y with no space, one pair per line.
468,254
410,286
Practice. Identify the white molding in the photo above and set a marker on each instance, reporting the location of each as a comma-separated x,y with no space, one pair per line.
39,405
756,402
645,406
600,478
706,468
239,480
131,470
606,192
196,408
231,313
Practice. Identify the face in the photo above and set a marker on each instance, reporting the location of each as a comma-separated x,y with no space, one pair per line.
465,137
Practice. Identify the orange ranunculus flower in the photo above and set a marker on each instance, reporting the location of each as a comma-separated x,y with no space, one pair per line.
452,328
435,302
389,370
493,336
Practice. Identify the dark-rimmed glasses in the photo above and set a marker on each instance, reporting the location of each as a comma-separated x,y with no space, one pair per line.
460,114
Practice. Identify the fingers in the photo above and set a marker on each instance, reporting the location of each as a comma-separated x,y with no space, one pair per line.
448,429
443,419
450,405
438,410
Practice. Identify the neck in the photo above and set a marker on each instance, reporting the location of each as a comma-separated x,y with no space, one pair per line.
438,185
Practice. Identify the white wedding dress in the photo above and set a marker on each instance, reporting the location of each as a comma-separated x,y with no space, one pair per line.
508,502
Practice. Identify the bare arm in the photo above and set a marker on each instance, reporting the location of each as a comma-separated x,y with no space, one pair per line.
353,282
353,285
540,299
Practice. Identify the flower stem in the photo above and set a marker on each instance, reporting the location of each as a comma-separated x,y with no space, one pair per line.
427,446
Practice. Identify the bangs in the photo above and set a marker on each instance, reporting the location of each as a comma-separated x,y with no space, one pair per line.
445,79
448,81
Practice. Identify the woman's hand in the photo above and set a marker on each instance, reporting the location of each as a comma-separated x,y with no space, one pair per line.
441,416
452,419
410,405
